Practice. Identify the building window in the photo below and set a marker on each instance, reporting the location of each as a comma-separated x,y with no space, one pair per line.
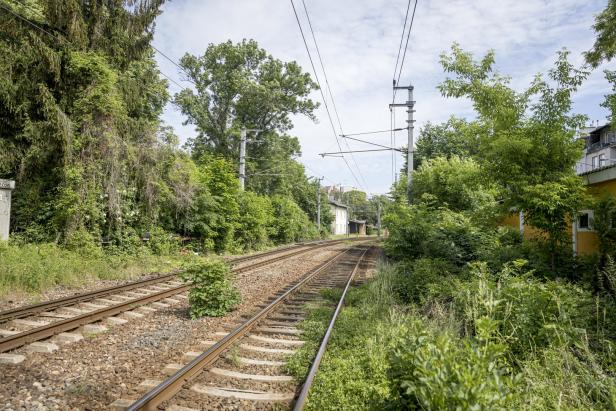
602,160
594,162
584,220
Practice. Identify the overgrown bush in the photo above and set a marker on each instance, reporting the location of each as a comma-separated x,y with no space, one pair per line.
290,222
440,372
424,230
415,278
255,221
212,293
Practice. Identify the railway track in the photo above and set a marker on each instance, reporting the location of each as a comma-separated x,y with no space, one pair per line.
114,305
243,368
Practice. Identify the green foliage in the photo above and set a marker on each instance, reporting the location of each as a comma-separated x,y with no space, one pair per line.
290,222
610,99
240,84
605,43
526,140
455,183
35,268
422,230
255,220
438,372
456,137
212,292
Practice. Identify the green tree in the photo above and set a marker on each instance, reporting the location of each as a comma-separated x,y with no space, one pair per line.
79,106
240,85
528,145
255,220
290,223
610,99
604,47
455,183
454,137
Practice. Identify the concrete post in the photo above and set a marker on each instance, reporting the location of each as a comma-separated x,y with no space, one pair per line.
242,171
6,186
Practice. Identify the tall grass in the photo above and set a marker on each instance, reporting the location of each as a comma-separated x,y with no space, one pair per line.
507,341
34,268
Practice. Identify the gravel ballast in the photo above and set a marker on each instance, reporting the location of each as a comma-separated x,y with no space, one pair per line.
92,373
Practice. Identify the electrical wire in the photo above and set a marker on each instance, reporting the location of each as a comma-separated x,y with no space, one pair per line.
331,94
406,46
373,132
408,7
321,91
31,23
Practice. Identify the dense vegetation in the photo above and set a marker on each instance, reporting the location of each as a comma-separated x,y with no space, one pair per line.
80,104
469,314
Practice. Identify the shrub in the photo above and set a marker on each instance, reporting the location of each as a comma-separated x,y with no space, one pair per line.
291,223
255,220
525,313
438,372
422,230
212,292
415,278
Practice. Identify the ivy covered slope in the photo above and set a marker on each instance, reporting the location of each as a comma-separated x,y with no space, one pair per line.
80,105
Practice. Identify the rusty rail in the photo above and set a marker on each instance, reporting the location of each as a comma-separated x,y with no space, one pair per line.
35,334
168,388
303,395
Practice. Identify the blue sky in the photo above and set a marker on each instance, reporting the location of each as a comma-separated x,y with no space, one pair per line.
359,39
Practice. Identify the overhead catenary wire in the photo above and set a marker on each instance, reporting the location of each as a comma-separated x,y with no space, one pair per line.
406,46
373,132
331,94
331,122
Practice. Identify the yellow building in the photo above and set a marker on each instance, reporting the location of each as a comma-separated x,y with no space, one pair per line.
599,182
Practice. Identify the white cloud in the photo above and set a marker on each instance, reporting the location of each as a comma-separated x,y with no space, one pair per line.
359,40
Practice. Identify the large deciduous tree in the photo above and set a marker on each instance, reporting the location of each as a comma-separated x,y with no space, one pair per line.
527,144
240,85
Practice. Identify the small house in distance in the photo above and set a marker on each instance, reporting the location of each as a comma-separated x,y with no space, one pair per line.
340,212
357,227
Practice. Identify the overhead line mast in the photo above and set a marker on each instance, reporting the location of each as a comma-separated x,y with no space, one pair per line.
409,104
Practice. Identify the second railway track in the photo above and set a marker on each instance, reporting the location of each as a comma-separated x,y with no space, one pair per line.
31,324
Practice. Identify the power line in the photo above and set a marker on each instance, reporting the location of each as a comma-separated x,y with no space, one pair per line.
373,132
174,63
331,122
331,94
408,7
367,142
406,46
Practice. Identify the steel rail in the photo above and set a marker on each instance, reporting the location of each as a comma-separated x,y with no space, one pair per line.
303,395
35,334
168,388
21,312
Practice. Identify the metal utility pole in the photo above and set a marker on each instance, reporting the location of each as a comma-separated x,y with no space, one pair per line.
378,218
242,171
410,105
319,203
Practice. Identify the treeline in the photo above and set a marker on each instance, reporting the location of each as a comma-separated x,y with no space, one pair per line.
472,315
80,104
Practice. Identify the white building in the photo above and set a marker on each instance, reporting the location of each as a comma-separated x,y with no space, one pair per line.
340,212
599,149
